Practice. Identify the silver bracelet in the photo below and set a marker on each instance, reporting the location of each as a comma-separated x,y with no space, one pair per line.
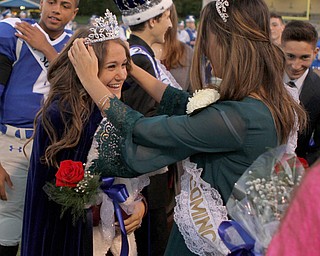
102,102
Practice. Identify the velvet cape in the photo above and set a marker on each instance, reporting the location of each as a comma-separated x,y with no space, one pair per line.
44,233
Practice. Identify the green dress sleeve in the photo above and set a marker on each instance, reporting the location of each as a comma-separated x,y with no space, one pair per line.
144,145
173,102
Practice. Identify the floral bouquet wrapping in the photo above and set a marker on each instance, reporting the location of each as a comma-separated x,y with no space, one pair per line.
74,188
258,201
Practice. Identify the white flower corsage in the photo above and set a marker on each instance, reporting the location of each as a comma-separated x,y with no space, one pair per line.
201,99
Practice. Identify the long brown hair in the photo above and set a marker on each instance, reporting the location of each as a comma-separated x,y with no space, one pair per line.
250,63
74,103
174,53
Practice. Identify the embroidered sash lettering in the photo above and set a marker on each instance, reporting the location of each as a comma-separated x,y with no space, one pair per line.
199,213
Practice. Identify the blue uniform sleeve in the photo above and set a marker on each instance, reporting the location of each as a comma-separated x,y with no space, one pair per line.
7,51
8,39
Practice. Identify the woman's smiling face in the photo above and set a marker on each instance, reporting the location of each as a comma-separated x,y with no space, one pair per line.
114,70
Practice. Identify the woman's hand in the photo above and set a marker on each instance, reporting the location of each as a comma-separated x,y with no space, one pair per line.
84,61
134,221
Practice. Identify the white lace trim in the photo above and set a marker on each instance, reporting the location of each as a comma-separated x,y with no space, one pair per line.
134,187
93,152
198,213
100,248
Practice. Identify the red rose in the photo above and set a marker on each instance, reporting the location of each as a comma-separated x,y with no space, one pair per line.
293,161
69,173
304,162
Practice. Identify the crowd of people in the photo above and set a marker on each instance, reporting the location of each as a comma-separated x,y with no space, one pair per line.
169,113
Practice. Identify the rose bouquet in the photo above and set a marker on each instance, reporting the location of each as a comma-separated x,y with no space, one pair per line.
258,201
74,188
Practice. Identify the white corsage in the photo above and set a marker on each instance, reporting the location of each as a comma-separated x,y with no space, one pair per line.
201,99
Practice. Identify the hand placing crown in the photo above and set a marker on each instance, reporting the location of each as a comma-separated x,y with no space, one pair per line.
104,28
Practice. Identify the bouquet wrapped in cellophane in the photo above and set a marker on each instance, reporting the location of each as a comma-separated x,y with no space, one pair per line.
258,201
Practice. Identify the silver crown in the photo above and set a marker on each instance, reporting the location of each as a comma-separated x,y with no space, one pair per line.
104,28
221,9
138,7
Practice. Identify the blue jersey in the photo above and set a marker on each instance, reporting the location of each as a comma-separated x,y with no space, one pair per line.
192,35
24,92
316,63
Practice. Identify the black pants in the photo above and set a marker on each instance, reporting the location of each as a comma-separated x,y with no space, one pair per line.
8,250
152,236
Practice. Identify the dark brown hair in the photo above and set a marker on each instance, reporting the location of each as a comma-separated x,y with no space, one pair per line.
251,64
75,104
277,16
174,54
301,31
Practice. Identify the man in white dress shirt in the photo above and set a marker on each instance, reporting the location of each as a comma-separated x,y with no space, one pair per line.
299,42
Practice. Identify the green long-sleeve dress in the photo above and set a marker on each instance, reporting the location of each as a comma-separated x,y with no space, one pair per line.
224,139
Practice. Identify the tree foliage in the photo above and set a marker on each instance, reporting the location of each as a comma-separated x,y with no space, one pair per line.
97,7
188,7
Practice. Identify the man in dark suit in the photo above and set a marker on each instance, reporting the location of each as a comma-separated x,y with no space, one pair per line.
148,22
299,42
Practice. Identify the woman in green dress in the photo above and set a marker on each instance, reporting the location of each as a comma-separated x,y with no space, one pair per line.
222,139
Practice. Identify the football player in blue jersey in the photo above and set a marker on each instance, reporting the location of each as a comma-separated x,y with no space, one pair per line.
26,49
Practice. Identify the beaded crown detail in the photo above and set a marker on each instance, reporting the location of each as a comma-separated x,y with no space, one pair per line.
132,7
137,11
221,6
104,28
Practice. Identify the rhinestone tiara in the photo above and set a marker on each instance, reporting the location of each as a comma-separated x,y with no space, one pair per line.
104,28
221,6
